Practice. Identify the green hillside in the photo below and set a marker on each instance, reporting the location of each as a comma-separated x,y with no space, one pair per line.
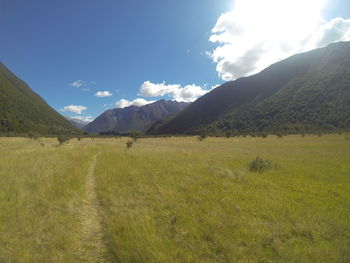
308,92
22,111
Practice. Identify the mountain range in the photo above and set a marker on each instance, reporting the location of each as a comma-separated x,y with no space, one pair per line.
78,123
307,92
134,118
22,111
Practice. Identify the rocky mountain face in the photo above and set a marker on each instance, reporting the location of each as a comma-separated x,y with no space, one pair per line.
134,118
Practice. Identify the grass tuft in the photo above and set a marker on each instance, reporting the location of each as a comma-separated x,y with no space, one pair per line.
129,144
260,165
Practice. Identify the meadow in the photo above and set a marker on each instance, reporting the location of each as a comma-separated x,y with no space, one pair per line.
175,199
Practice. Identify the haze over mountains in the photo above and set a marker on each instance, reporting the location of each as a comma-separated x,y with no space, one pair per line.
134,118
305,93
77,122
22,111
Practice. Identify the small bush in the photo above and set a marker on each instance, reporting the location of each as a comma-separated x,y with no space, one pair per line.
62,139
202,136
135,135
279,134
263,135
33,135
260,165
129,144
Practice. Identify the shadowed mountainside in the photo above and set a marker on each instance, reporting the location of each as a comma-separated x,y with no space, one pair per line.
22,111
303,93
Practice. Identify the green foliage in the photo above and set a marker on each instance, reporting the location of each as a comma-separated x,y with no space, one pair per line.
135,135
62,139
23,112
129,144
306,93
260,165
34,135
202,136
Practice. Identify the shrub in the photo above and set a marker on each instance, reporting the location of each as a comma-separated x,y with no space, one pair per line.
129,144
279,134
33,136
263,135
135,135
202,136
260,165
62,139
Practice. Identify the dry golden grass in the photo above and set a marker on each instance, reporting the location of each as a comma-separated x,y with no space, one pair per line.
175,200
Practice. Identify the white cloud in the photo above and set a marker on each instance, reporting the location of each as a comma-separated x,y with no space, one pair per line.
259,33
188,93
338,29
77,83
137,102
81,118
103,94
77,109
149,89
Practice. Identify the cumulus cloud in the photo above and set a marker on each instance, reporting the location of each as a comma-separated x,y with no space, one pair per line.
187,93
338,29
77,109
137,102
103,94
256,34
77,83
149,89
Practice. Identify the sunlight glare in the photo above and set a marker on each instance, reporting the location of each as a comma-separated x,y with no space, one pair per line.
278,20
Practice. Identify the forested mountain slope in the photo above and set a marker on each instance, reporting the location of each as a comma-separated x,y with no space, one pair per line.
304,93
22,111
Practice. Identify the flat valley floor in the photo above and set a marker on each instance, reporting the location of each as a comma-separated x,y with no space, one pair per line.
175,199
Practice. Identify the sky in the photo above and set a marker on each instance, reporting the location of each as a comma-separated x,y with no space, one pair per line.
86,56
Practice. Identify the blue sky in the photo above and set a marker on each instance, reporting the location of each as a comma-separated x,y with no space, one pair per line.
68,51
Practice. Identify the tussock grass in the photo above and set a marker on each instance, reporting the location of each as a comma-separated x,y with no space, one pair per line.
260,165
41,193
178,200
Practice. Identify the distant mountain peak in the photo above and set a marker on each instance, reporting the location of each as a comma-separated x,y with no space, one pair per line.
79,123
134,118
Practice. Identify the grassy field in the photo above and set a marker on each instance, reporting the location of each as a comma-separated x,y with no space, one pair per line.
175,200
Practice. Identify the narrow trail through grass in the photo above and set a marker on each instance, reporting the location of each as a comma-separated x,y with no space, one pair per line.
94,249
